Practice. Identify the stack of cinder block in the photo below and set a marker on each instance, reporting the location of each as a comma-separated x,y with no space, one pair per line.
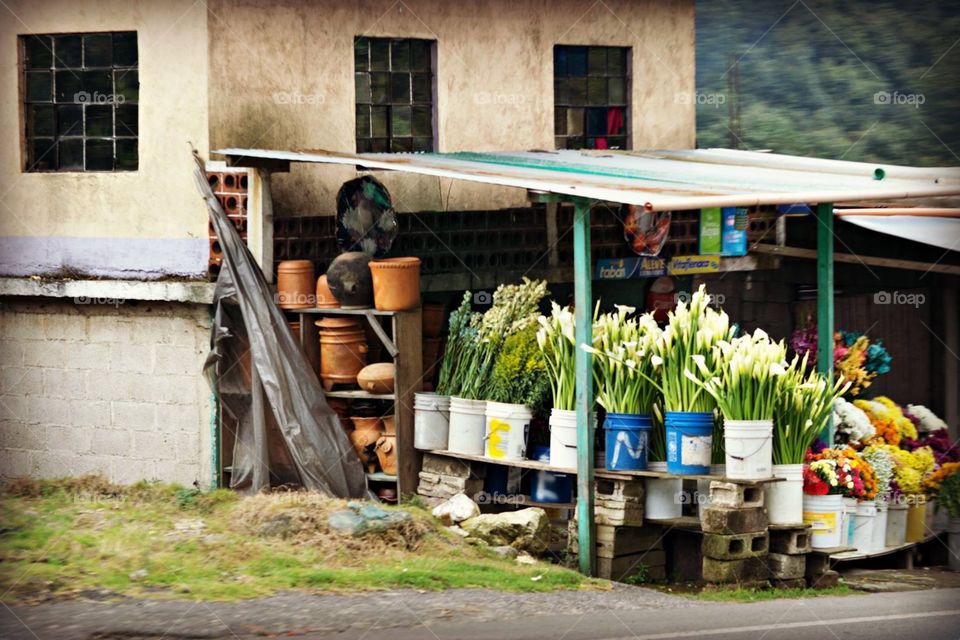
735,538
818,572
442,477
788,556
625,547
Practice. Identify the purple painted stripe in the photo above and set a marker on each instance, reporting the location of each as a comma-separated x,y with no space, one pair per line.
122,258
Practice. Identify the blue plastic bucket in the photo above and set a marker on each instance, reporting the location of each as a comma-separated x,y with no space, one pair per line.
627,440
547,486
689,442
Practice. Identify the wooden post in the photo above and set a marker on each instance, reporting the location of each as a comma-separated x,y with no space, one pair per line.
825,300
583,314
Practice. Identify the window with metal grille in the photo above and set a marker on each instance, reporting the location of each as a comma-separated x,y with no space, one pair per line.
80,94
591,97
394,84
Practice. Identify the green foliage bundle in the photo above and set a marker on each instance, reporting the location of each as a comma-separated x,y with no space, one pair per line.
520,373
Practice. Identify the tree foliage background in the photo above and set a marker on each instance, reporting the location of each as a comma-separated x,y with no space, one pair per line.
848,79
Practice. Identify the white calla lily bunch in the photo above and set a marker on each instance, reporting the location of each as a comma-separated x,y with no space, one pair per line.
557,340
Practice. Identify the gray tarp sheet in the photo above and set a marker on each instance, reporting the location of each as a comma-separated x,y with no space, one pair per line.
250,341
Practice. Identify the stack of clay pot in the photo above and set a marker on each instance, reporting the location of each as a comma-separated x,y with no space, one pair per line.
387,446
343,350
375,441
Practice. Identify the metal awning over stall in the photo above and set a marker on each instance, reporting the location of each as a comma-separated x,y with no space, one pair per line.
658,181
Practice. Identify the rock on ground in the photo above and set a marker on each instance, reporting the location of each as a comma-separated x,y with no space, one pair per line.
524,530
457,509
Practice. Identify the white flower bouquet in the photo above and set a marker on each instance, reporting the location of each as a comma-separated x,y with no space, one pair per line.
928,419
852,424
557,340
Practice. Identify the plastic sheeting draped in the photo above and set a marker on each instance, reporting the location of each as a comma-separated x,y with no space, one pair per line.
938,232
251,343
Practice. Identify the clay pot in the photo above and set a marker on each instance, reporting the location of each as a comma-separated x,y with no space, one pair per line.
343,349
387,453
364,437
325,299
389,426
432,318
295,284
396,283
350,281
377,378
387,494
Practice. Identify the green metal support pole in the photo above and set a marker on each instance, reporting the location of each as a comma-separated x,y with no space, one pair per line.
583,314
825,300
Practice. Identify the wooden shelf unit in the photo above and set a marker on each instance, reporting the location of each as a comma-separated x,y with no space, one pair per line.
402,339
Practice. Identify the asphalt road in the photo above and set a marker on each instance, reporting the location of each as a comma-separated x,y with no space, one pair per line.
624,614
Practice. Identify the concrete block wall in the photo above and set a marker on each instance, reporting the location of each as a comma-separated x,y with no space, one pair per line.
114,387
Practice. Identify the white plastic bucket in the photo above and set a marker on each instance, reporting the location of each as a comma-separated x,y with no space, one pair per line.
863,528
563,437
468,424
784,500
703,487
824,514
748,445
878,543
431,421
849,521
896,525
506,431
664,497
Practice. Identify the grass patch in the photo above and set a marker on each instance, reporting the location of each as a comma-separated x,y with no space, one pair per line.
737,594
59,538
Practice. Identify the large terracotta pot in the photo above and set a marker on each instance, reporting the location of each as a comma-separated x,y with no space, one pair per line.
387,453
377,377
295,284
366,432
396,283
389,425
325,299
431,319
343,351
350,281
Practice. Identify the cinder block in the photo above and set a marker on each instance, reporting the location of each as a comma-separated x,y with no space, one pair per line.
738,496
176,360
187,445
88,356
616,541
652,565
51,411
729,521
90,413
16,464
43,353
21,381
134,416
817,565
735,547
620,490
110,442
16,435
786,567
131,357
443,465
726,571
794,583
153,446
825,580
63,383
62,326
790,541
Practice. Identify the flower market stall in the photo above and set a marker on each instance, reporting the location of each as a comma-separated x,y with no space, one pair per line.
689,397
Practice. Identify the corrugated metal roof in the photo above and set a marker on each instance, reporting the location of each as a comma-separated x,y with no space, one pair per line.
657,180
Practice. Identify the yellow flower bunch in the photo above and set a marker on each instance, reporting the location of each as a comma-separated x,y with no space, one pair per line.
850,366
931,483
905,425
911,467
882,420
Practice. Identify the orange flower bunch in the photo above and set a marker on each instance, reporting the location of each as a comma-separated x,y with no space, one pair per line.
883,421
857,476
931,483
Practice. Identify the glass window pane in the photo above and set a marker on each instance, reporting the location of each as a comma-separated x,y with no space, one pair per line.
597,61
125,49
70,151
559,61
577,61
69,87
69,120
43,155
574,122
380,55
617,61
423,144
363,121
420,55
400,88
127,120
361,54
400,117
99,155
596,122
39,52
422,91
127,155
97,50
421,121
99,85
41,120
560,121
380,88
68,52
577,91
597,90
99,120
616,91
39,88
400,55
561,92
127,85
362,84
378,121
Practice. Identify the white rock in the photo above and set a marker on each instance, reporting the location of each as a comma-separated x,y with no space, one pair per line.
526,558
457,530
457,509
